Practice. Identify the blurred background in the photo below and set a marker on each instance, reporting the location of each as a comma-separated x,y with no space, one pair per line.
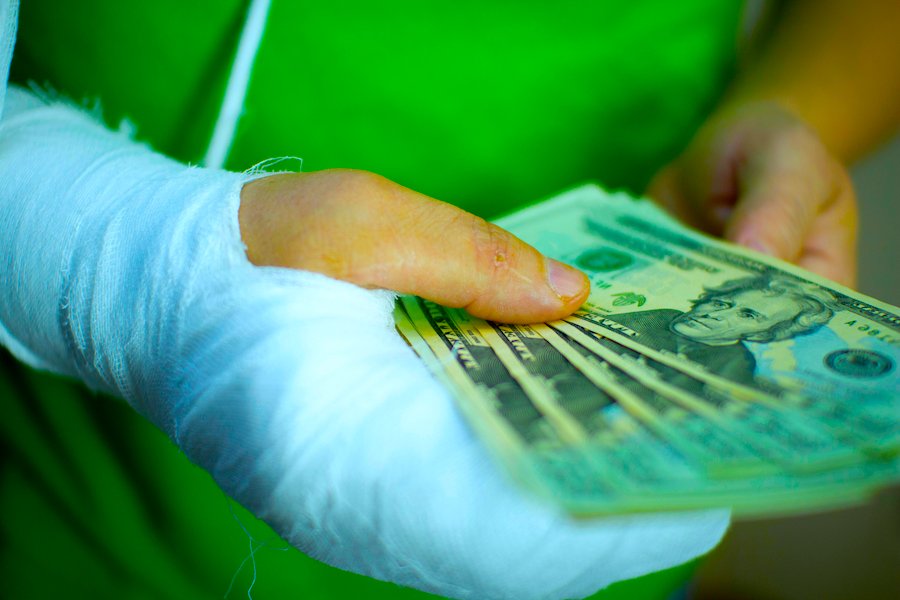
849,554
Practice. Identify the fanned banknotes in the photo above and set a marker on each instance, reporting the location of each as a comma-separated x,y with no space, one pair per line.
698,374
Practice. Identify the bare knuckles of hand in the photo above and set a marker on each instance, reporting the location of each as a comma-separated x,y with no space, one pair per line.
760,177
359,227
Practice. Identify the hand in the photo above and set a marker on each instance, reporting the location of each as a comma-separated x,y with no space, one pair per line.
761,177
362,228
356,455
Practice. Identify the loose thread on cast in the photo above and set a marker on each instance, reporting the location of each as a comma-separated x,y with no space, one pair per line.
251,556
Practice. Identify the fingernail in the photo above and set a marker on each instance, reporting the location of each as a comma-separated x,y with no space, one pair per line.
564,280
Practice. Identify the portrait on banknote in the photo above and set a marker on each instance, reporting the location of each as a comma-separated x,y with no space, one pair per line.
761,309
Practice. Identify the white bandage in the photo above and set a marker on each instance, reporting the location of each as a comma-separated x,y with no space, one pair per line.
9,13
127,270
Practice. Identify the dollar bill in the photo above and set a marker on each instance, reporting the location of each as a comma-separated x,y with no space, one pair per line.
746,324
611,466
705,439
754,490
698,374
573,415
782,437
573,403
537,451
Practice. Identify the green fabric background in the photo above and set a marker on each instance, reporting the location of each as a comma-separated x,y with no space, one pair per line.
489,105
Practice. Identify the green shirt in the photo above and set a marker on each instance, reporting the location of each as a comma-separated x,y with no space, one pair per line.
484,104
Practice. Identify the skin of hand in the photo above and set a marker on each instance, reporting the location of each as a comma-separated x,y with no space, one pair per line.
760,177
767,168
362,228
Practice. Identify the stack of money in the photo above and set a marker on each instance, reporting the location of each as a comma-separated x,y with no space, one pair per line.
698,374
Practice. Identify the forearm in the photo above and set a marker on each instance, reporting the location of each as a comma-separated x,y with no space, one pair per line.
94,229
834,64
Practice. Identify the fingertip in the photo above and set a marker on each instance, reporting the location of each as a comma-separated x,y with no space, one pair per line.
837,268
759,228
748,240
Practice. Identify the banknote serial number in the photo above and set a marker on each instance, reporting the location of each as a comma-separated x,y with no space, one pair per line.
876,333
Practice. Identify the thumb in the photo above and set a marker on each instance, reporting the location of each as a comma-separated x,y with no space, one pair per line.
362,228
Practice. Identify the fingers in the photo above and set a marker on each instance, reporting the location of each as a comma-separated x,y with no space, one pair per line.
796,203
364,229
830,246
700,187
761,178
778,202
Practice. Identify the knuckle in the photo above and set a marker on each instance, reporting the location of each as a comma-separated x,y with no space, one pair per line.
354,185
798,135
